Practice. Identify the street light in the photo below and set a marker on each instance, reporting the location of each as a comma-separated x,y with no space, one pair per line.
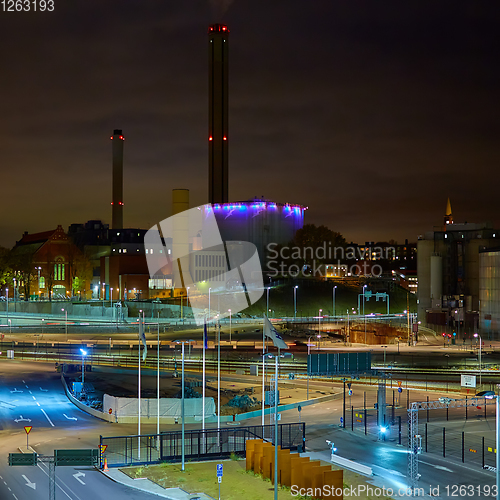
295,301
182,402
209,313
7,291
267,302
364,286
230,325
476,335
84,353
334,312
66,313
319,320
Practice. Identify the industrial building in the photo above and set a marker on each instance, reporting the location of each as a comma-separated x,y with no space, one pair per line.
448,263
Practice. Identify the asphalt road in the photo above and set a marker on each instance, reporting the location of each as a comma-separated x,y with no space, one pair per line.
32,394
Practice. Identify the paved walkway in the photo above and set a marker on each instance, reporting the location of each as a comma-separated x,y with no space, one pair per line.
148,486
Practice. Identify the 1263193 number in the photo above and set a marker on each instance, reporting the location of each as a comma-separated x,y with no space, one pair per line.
27,5
469,490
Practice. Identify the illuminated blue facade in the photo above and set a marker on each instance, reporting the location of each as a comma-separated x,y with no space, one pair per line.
261,222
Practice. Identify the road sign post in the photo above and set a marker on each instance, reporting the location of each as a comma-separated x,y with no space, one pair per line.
219,475
27,429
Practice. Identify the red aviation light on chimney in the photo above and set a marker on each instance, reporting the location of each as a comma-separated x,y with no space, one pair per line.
225,138
210,138
122,138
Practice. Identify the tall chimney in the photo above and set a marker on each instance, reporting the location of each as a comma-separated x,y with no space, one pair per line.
218,113
117,195
180,235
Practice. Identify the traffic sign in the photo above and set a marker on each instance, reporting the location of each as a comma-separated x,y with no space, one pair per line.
23,458
348,385
299,408
103,447
399,389
110,411
220,479
350,392
341,420
400,383
28,428
75,457
219,470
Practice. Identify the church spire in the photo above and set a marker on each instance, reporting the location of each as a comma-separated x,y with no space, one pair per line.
448,216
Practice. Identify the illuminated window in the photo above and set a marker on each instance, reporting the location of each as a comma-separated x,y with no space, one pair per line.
42,282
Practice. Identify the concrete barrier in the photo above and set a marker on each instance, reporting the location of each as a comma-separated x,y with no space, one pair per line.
349,464
85,408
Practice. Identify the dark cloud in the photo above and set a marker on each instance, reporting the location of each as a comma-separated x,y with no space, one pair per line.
370,113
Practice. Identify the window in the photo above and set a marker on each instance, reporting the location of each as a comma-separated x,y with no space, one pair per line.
41,283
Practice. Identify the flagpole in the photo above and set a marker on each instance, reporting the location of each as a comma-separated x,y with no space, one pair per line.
276,430
139,393
218,380
158,382
203,390
263,372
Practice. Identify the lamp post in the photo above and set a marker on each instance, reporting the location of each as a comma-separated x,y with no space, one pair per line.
66,321
308,352
187,299
364,286
230,326
295,301
84,353
319,321
334,312
476,335
209,313
183,444
7,292
267,301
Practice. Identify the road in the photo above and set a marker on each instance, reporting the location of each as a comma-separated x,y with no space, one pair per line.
31,394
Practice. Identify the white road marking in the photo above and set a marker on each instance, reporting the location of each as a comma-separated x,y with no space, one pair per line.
50,421
24,382
78,475
29,483
27,387
30,392
69,418
15,496
33,398
9,488
21,419
59,485
38,403
440,467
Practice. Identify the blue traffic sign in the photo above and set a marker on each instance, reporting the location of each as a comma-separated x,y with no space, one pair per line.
341,420
219,470
399,389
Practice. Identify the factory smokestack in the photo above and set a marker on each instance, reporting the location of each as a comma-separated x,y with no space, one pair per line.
218,113
117,195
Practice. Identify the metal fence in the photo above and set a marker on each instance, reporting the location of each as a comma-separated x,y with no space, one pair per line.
199,444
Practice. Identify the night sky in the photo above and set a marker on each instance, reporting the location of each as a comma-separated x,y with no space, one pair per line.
371,113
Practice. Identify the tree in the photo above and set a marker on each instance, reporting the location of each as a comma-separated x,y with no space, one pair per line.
24,269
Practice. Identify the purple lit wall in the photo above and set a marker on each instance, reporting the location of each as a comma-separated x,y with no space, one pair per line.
258,221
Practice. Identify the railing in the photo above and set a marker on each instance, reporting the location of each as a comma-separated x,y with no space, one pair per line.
199,444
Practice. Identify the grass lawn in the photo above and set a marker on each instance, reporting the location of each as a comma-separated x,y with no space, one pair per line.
237,483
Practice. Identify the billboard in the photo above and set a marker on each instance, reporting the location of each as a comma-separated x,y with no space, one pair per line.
339,363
